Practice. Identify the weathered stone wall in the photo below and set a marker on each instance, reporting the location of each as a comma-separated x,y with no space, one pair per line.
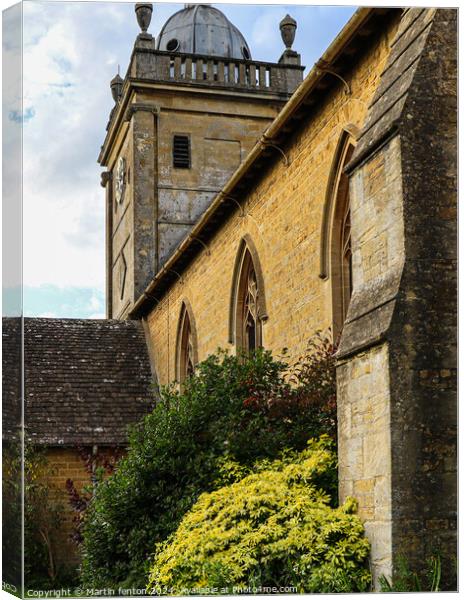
221,134
364,447
64,464
376,201
144,166
283,216
403,187
424,353
363,379
121,236
160,202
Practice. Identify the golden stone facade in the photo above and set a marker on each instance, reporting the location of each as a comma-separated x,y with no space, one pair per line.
283,212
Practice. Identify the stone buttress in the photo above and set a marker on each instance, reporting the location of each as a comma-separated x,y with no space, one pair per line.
396,374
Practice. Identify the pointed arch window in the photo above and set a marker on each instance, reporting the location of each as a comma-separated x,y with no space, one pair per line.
186,347
336,239
341,268
251,326
248,310
346,266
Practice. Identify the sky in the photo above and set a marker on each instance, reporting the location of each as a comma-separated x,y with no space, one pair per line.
71,51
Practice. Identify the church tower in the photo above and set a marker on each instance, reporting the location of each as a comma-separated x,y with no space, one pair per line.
192,105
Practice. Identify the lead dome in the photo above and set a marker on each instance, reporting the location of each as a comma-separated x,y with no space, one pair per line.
203,29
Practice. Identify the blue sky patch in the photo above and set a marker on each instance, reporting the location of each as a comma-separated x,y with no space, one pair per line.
15,115
62,302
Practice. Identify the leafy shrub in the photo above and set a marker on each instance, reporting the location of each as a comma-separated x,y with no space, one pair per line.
98,466
309,404
238,408
11,512
274,528
43,518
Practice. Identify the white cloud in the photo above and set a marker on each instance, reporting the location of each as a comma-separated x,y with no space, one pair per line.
69,56
94,303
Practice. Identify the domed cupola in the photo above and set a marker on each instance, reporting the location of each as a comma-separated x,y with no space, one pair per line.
205,30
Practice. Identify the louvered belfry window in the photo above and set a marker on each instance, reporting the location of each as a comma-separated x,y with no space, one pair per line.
181,152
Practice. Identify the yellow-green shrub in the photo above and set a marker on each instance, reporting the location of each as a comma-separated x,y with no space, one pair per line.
273,528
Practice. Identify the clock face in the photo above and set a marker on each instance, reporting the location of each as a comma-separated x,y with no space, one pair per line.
120,179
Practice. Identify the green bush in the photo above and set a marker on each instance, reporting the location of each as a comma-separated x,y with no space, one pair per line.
43,517
274,528
43,520
238,408
12,513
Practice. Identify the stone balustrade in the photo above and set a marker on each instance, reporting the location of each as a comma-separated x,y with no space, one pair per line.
239,74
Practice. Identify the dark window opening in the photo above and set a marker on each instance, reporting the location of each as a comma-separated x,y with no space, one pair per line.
172,45
186,347
248,308
251,335
341,251
347,267
181,152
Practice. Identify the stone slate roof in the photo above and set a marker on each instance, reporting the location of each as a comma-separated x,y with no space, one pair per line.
11,378
85,380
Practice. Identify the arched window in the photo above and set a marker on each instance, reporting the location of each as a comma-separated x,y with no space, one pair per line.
341,272
248,309
345,258
186,347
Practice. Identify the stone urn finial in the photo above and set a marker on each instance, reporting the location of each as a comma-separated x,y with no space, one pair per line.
116,87
143,11
287,30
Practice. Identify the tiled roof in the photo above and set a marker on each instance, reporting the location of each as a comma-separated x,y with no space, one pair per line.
86,380
11,377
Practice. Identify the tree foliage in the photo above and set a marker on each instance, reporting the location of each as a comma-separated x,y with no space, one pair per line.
240,409
43,517
11,512
274,528
98,466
